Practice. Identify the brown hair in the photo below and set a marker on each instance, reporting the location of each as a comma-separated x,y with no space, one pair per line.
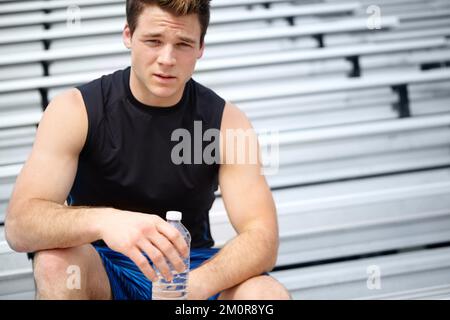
176,7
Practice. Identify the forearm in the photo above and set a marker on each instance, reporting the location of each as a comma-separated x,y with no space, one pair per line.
43,224
248,254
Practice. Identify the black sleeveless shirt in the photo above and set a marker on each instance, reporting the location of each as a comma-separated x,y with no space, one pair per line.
126,160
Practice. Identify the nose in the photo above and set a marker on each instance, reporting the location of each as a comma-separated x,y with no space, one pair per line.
166,56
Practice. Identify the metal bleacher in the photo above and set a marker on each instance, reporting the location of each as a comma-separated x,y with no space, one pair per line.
362,118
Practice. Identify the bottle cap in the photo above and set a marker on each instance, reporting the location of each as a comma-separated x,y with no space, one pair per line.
173,215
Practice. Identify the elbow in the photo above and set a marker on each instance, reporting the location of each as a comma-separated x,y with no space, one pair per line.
267,240
10,236
272,261
12,232
272,253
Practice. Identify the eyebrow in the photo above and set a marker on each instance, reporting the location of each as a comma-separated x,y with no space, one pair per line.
159,35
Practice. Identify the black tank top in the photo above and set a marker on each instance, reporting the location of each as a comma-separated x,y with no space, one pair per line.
126,160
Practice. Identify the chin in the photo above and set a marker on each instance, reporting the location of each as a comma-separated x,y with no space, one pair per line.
162,92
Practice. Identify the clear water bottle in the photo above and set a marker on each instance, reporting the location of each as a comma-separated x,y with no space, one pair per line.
177,288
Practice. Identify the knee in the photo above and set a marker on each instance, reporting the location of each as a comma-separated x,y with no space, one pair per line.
259,288
52,268
281,293
268,288
50,264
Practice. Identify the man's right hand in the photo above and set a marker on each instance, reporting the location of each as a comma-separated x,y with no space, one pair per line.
133,233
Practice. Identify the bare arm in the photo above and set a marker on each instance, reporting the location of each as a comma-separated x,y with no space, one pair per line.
251,210
37,218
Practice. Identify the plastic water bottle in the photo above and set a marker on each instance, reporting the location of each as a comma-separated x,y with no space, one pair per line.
177,288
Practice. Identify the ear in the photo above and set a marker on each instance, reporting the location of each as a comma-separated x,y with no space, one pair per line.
126,36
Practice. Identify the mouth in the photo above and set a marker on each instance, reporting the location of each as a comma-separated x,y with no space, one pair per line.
163,76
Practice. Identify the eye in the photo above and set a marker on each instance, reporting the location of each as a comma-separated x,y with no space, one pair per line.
153,42
184,45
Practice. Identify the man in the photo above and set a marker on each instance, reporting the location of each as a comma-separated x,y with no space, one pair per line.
107,148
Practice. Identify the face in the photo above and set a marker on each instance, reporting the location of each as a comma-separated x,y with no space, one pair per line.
164,51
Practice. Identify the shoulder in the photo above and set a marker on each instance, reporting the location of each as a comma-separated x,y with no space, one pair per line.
104,89
64,119
228,115
234,118
68,106
238,138
207,97
69,100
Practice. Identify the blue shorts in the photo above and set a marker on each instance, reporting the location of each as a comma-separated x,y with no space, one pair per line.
129,283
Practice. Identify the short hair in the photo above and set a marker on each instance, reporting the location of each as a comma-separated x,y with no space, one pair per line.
176,7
